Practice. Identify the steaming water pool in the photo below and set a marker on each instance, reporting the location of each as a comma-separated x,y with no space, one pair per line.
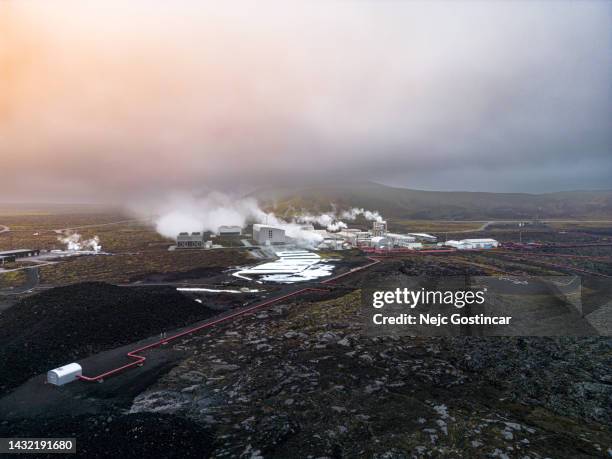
292,266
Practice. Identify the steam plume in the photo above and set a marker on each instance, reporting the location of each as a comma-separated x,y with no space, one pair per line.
184,212
74,243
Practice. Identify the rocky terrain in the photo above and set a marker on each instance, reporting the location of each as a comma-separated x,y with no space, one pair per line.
111,436
301,380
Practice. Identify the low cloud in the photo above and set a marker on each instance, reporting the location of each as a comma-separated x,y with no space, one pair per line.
107,99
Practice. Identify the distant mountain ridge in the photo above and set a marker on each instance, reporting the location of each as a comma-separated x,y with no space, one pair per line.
403,203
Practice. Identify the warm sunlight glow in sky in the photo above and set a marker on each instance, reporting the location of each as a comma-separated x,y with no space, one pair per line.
99,99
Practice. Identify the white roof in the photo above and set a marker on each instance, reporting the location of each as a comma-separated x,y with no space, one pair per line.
400,236
69,369
476,241
258,226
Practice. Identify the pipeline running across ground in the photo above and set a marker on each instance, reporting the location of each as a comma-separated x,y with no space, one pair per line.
138,360
559,266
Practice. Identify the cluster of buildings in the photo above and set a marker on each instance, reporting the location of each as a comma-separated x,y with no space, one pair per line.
198,240
266,235
377,238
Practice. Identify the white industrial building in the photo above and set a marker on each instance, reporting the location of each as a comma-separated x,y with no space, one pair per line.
379,228
63,375
400,240
424,237
333,244
355,237
391,241
266,235
473,244
225,230
380,242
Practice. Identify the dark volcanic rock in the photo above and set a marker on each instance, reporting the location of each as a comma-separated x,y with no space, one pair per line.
69,323
306,382
134,435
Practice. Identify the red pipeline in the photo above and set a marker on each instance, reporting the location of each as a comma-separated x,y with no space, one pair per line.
139,359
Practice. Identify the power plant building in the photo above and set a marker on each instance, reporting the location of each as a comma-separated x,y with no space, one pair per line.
190,241
266,235
392,240
9,256
379,228
400,240
473,244
230,230
424,237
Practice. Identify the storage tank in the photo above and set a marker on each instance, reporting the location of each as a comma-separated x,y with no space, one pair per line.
63,375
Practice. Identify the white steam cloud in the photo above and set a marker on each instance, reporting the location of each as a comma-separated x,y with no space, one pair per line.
75,243
369,215
184,212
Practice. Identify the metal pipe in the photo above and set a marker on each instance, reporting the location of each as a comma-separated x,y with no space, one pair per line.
555,265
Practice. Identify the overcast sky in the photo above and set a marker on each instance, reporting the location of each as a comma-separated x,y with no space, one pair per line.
112,99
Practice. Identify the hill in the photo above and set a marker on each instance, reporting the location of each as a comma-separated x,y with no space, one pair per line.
402,203
65,324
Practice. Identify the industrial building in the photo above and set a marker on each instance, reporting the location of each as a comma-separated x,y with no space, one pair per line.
472,244
229,230
400,240
424,237
266,235
6,259
190,241
379,228
390,241
64,375
355,237
9,256
333,244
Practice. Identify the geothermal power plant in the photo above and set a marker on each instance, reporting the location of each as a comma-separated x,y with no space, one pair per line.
377,239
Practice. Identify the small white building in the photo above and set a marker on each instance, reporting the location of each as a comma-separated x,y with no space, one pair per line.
225,230
473,244
266,235
64,375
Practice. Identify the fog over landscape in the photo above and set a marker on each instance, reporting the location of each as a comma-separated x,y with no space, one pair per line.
252,229
107,100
